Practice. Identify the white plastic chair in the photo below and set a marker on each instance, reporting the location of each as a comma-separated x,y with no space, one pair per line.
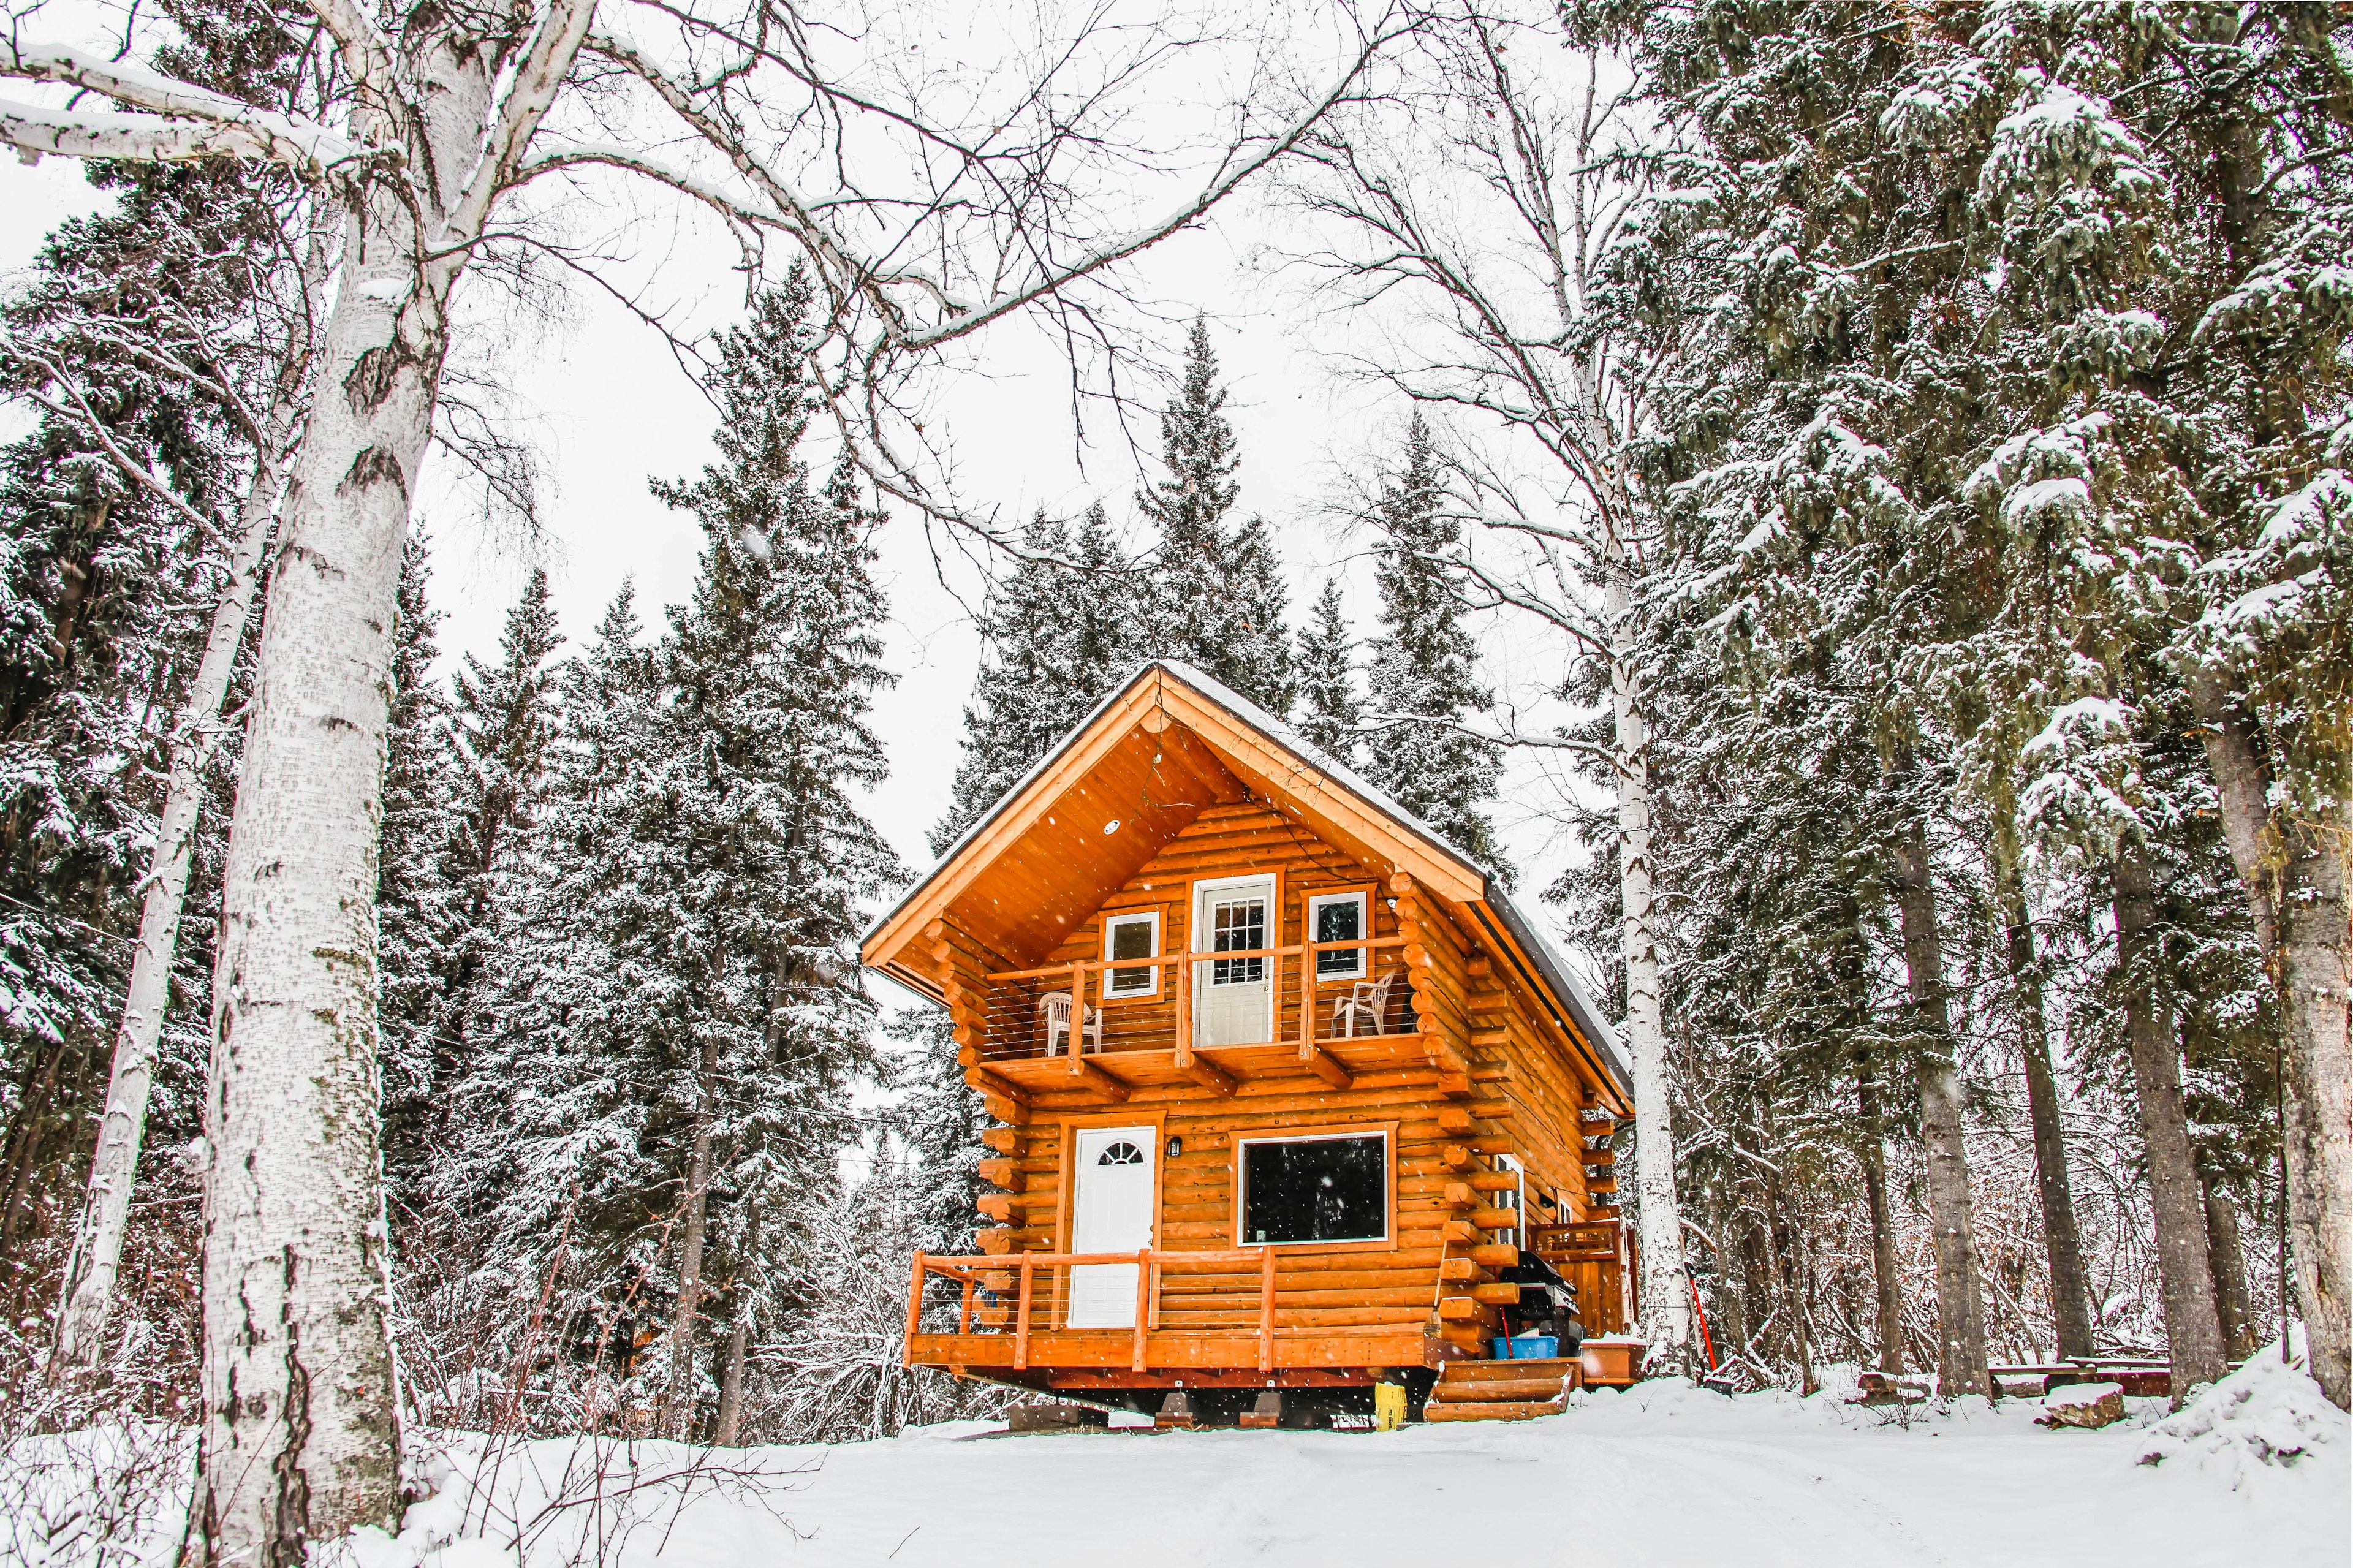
1054,1007
1367,1000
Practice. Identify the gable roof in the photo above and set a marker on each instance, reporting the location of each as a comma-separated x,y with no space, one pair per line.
1205,740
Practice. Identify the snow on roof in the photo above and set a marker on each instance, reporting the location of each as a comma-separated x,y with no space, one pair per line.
1556,974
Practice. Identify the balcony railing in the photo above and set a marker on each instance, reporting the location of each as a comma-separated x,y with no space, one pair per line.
1224,1292
1132,1004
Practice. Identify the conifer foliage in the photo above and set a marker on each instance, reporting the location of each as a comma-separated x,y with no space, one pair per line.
1215,599
1424,683
1331,713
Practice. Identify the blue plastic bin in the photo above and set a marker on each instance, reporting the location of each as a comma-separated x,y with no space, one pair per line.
1527,1347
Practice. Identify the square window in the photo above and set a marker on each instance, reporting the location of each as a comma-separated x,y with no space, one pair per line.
1131,936
1338,917
1315,1189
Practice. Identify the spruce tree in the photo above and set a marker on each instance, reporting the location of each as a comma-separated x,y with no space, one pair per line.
415,921
1329,711
1215,600
1060,634
768,676
1422,677
501,722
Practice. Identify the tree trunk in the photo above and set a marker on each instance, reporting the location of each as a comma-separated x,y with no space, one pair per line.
1666,1287
2294,879
89,1293
1883,1270
2062,1245
1960,1307
2194,1333
298,1443
2231,1299
731,1384
677,1402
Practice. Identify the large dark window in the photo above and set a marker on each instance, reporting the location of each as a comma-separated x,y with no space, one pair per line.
1317,1189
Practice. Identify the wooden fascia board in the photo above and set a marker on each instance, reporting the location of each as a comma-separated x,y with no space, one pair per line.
1330,807
949,882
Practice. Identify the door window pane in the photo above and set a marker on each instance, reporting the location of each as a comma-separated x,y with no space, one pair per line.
1318,1189
1238,925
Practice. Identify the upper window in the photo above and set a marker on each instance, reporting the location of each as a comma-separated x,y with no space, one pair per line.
1131,936
1338,917
1315,1189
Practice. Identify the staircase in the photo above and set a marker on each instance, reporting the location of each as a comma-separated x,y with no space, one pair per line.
1500,1390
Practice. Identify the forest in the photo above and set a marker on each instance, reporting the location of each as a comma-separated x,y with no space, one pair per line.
1921,430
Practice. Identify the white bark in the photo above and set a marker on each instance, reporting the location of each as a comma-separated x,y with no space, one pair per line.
89,1295
1666,1287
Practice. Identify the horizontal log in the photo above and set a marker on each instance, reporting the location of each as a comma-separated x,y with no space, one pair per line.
1005,1174
1490,1110
1463,1272
1496,1295
1457,1157
1488,1039
996,1243
1459,1195
997,1206
1494,1181
1003,1139
1461,1309
1494,1254
1497,1219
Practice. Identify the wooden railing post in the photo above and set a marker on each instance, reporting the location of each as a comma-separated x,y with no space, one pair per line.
1306,995
1021,1323
1185,1007
1077,1039
964,1322
1266,1310
1143,1302
915,1303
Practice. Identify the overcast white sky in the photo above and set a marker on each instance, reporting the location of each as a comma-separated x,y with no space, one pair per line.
609,408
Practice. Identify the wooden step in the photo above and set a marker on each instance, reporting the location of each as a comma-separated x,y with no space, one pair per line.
1487,1390
1554,1367
1527,1410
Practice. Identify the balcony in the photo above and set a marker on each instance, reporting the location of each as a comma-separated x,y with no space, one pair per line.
1216,1020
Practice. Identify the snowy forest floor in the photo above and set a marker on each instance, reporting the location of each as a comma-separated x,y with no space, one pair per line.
1662,1473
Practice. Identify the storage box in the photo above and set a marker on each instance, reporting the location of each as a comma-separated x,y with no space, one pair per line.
1527,1347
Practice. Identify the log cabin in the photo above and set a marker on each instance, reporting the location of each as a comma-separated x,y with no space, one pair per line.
1287,1093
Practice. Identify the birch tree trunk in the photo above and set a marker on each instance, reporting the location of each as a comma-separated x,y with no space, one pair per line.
2294,877
2062,1245
1960,1307
2194,1333
1884,1273
1666,1288
729,1425
88,1294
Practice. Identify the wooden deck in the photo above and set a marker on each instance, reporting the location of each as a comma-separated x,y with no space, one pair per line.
1239,1070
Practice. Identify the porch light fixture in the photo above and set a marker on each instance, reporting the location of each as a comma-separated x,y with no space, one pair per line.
1175,1146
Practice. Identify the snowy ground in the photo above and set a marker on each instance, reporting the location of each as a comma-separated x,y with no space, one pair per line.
1663,1474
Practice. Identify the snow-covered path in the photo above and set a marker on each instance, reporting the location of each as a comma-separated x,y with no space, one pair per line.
1663,1475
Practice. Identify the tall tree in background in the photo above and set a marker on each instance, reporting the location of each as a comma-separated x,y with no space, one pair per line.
1423,678
416,919
769,674
1331,713
1059,633
1216,596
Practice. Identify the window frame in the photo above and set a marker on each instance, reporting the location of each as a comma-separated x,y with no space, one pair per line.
1112,964
1385,1132
1363,898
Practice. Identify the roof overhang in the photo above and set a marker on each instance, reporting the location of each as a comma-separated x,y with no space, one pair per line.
1132,775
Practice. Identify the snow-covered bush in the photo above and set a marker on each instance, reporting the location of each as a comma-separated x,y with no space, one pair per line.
2268,1412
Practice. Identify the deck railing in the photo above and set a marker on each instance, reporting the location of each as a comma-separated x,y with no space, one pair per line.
1148,1004
1227,1291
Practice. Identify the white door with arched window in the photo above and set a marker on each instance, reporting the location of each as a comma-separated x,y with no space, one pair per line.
1111,1211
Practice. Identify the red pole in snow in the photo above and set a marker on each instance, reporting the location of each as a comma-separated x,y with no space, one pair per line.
1706,1342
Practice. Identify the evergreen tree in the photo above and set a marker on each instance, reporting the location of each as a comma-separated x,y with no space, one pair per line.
1331,713
1422,679
502,723
415,921
1215,600
1059,636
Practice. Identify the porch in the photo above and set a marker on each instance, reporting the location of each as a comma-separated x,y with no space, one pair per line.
1147,1023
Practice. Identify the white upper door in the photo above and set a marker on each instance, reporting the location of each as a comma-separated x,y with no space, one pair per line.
1234,998
1111,1211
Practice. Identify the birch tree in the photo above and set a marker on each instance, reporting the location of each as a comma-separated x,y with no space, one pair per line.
927,202
1478,215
